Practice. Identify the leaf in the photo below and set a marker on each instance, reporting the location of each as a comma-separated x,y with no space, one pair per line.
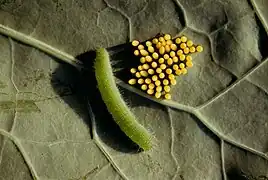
215,127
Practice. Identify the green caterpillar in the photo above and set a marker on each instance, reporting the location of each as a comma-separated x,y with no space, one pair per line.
116,105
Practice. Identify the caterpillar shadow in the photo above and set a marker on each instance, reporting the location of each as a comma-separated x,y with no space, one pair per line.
78,88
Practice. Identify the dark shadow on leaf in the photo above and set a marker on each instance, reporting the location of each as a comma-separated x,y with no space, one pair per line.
235,174
79,88
263,38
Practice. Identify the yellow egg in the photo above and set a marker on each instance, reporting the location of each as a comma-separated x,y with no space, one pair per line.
137,74
175,67
168,42
192,49
167,48
142,60
150,91
171,76
167,88
166,56
158,88
199,48
189,64
132,81
155,40
144,87
162,50
150,71
140,81
172,54
169,61
151,86
163,66
140,47
140,67
167,96
145,66
173,82
161,39
154,65
189,43
144,52
178,72
173,47
178,40
165,82
183,46
175,59
182,57
161,60
144,73
136,52
135,43
133,70
167,37
161,75
184,71
148,43
189,58
182,65
154,78
179,52
148,80
155,55
168,71
157,95
158,70
157,83
183,39
186,50
158,45
148,58
151,49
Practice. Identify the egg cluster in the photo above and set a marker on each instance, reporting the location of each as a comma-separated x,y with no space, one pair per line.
161,60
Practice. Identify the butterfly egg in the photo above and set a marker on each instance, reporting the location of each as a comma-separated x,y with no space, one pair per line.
142,60
148,80
145,66
158,70
140,67
157,83
162,50
168,71
163,66
133,70
165,82
167,37
136,52
186,50
183,46
183,39
169,61
167,88
189,64
148,43
189,58
161,60
135,43
166,56
182,65
199,48
144,87
171,76
148,58
161,39
155,55
182,57
167,48
150,71
154,64
172,54
167,96
140,81
151,86
154,77
132,81
173,47
137,74
178,72
150,91
179,52
175,67
144,73
184,71
189,43
158,45
178,40
192,49
155,41
151,49
140,47
158,88
175,59
173,82
144,52
161,75
157,95
169,42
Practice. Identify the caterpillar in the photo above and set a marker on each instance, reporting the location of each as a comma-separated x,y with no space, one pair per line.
115,104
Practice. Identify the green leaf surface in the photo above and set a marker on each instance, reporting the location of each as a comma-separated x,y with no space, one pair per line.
215,127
